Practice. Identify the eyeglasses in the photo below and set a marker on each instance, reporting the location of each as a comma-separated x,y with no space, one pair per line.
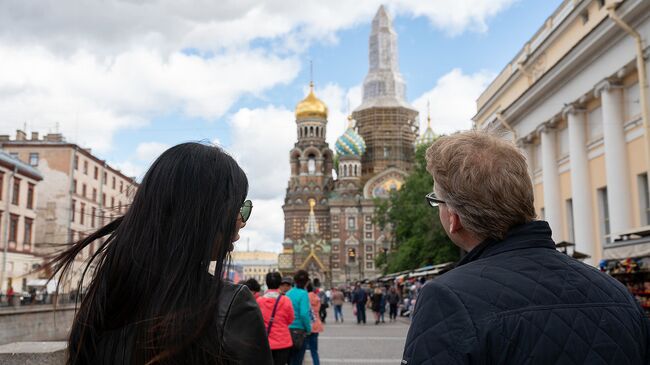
433,200
245,210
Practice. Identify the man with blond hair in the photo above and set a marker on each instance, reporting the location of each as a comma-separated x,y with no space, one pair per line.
513,298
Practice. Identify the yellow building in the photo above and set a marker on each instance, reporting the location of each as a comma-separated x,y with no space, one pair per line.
571,98
255,264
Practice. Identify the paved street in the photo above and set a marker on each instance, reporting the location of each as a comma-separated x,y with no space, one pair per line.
349,343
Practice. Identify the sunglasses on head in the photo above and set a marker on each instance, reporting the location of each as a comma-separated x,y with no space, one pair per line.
433,200
245,210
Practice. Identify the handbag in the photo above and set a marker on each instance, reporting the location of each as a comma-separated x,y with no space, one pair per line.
298,338
275,307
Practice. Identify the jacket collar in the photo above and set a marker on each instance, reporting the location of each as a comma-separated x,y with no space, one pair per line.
536,234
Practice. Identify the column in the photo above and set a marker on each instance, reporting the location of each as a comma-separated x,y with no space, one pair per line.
551,181
616,163
580,183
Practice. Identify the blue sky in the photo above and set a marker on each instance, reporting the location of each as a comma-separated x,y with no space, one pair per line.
131,79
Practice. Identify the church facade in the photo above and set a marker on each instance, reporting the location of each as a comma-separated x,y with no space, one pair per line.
330,227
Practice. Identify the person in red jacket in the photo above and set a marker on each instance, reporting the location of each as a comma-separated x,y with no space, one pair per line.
276,305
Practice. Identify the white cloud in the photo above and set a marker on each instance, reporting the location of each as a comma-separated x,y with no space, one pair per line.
453,101
149,151
265,228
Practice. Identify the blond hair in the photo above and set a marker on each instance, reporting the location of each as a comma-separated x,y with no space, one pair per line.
484,179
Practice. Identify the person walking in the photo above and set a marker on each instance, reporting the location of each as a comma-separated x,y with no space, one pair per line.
393,299
337,301
316,324
513,298
359,300
278,314
375,303
153,297
301,325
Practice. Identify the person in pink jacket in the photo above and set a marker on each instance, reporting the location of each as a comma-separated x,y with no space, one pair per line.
275,304
316,324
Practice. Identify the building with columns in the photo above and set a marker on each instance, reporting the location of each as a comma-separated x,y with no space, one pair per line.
572,98
330,228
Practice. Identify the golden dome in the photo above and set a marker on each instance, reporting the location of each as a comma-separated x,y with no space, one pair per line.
311,106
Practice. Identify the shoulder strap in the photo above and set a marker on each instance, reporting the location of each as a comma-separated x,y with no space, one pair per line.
275,307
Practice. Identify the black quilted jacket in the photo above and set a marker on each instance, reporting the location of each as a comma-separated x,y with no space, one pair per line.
519,301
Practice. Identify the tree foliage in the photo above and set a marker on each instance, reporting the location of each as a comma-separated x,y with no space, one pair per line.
419,239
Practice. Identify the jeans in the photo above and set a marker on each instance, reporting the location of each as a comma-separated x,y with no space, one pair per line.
297,356
338,312
312,344
361,312
281,357
393,311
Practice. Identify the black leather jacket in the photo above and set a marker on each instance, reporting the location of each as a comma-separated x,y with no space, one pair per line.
244,335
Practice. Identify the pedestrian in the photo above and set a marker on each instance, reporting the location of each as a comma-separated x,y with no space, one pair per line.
254,286
393,301
376,300
10,296
286,285
301,325
153,297
316,324
324,300
359,300
337,301
278,314
513,298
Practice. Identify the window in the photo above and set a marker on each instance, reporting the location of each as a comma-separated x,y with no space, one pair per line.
604,214
121,186
94,194
92,217
368,256
104,199
369,265
96,174
644,198
105,178
595,124
83,190
368,235
113,182
74,209
112,202
85,167
632,101
13,228
27,241
368,248
569,216
351,223
352,256
82,211
14,155
2,182
33,159
74,186
368,227
30,196
119,207
76,162
311,165
386,152
584,16
16,193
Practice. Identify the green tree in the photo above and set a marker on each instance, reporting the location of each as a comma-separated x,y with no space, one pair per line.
419,239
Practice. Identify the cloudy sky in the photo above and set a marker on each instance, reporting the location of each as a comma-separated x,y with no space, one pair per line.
129,78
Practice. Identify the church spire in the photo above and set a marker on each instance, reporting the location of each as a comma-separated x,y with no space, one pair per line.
384,85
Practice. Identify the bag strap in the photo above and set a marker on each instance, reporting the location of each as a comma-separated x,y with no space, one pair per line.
275,307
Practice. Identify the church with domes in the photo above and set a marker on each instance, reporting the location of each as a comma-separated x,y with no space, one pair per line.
330,228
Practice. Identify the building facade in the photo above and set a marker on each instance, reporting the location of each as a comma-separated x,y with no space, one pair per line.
255,264
79,192
572,101
330,228
19,183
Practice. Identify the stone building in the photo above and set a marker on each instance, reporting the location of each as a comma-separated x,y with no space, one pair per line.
572,98
79,192
330,228
255,264
19,185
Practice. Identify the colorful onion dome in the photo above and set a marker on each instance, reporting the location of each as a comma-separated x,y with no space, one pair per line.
350,143
311,106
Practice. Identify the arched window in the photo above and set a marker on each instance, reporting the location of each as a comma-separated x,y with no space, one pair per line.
311,131
355,170
345,170
311,164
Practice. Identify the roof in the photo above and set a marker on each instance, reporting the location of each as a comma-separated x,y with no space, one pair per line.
23,168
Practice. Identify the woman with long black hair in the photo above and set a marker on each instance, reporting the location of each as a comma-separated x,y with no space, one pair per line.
151,298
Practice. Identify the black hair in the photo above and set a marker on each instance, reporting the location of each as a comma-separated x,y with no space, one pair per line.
317,282
301,278
309,287
253,285
151,298
273,280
